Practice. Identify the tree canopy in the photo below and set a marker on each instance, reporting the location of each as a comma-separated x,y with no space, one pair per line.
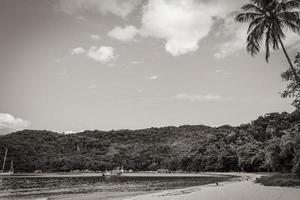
270,143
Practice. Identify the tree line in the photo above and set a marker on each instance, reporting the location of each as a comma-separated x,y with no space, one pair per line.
270,143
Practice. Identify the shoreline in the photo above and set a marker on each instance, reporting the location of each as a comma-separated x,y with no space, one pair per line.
243,188
238,186
232,177
91,194
133,174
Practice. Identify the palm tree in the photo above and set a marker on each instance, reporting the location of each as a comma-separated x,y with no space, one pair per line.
267,19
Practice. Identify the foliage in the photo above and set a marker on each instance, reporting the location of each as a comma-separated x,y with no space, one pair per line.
267,21
283,180
293,87
270,143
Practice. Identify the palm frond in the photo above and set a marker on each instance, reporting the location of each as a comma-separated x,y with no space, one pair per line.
289,15
289,5
263,4
290,19
255,38
291,26
252,7
255,22
276,33
246,17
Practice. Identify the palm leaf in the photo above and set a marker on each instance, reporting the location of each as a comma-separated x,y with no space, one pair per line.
255,38
247,17
253,8
291,26
290,19
289,5
254,23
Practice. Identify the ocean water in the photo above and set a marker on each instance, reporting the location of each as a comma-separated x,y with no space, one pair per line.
44,187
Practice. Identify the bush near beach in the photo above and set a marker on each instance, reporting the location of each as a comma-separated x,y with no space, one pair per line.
283,180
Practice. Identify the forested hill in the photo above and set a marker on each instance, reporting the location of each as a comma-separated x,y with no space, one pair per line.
270,143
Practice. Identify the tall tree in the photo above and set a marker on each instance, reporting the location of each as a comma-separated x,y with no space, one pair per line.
267,19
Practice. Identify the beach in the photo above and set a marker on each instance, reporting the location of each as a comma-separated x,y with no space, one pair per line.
243,188
236,186
88,186
127,195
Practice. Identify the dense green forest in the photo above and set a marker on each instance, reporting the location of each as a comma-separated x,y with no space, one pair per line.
270,143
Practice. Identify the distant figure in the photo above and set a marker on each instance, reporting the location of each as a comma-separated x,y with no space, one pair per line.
217,184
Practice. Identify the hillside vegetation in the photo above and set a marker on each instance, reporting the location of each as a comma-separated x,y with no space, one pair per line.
270,143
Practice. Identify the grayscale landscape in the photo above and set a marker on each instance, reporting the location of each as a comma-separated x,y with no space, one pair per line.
149,99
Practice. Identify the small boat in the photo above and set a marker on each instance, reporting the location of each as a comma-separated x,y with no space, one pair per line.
117,172
11,171
112,173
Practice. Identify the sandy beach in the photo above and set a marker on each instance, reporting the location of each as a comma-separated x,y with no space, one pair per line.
240,188
244,188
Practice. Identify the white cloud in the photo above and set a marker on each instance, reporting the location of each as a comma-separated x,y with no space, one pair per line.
201,97
136,62
235,34
181,23
77,51
9,124
103,54
117,7
95,37
92,86
154,77
128,33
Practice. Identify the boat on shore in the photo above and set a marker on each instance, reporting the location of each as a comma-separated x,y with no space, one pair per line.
111,173
116,172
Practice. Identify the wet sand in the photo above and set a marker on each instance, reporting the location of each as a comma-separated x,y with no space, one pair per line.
242,189
96,196
89,186
141,195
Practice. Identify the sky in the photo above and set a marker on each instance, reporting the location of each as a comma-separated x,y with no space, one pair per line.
72,65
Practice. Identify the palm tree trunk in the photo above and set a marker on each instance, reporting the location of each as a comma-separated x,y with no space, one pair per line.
290,62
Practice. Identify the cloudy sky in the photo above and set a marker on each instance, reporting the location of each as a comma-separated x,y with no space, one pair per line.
70,65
